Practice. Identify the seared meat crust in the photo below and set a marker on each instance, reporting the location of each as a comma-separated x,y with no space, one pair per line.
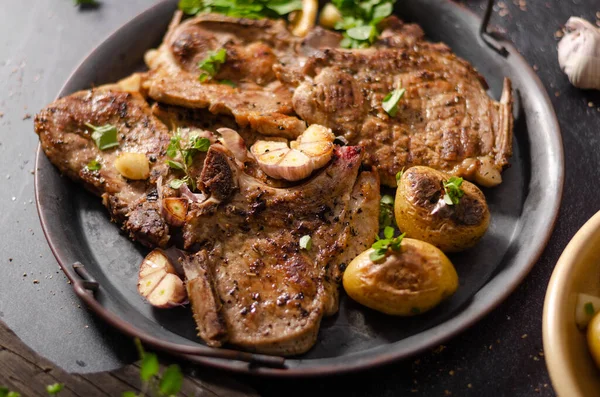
274,293
253,47
445,120
67,142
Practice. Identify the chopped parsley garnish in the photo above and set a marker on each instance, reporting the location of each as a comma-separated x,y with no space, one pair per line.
399,175
86,2
386,211
186,156
453,191
390,102
211,64
54,389
415,310
93,165
306,242
360,19
105,136
252,9
589,308
381,246
227,82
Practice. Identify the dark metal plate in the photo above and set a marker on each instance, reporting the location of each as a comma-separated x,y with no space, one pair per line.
523,208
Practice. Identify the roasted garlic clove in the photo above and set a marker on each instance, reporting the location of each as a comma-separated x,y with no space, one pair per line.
329,16
158,281
174,210
133,166
234,142
303,21
311,151
579,53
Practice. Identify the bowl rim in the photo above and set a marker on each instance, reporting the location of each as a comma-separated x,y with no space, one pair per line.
563,379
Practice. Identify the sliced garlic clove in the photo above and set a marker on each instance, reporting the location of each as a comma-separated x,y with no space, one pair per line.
315,133
174,210
295,166
133,166
312,150
487,174
159,282
170,292
319,152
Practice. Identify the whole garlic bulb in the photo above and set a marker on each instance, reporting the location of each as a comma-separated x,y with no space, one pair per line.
579,53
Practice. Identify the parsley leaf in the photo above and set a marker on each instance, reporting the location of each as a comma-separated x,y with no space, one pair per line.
86,2
360,19
93,165
386,211
54,389
195,145
399,175
453,191
306,242
227,82
381,246
252,9
212,64
390,102
149,362
105,136
171,381
589,308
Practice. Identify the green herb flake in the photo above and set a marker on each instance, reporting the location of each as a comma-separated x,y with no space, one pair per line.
381,246
93,165
386,211
212,64
390,102
191,7
415,310
453,191
86,2
284,7
228,82
185,156
360,20
589,308
105,136
171,381
176,183
129,394
306,242
54,389
399,175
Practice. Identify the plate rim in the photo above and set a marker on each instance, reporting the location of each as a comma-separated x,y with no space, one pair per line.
464,319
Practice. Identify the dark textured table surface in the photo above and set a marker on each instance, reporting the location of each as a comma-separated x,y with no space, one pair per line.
41,42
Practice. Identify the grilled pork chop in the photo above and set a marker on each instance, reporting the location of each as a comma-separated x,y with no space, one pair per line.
258,100
67,142
273,293
445,120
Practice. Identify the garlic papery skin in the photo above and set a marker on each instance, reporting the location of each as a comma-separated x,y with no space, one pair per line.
579,53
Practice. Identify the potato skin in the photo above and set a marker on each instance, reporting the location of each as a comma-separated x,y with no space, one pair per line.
452,228
408,282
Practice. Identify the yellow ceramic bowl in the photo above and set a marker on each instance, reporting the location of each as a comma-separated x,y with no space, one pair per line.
569,362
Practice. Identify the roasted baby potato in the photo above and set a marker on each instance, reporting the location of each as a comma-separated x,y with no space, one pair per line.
423,212
407,282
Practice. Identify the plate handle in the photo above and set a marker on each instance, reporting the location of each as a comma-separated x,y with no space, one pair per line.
86,286
485,34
